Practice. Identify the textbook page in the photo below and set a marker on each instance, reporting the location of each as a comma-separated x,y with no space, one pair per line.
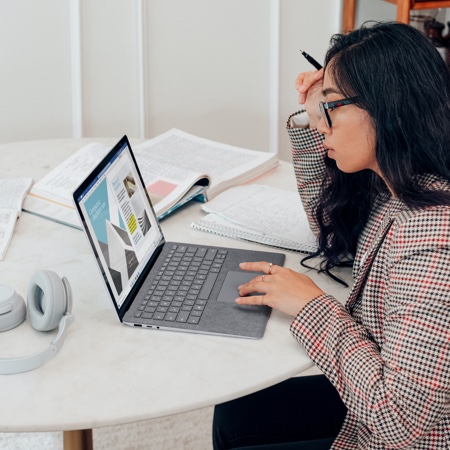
224,164
12,193
51,196
263,214
167,184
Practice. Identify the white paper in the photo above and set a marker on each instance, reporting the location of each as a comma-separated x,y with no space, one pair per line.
12,193
262,213
58,185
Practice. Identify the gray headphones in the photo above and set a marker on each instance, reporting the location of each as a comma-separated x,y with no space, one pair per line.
49,304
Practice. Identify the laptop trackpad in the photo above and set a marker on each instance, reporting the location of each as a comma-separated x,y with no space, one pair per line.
229,292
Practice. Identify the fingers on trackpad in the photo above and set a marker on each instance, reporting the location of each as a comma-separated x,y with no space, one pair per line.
229,292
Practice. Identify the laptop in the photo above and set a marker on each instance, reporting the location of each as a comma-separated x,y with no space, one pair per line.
156,284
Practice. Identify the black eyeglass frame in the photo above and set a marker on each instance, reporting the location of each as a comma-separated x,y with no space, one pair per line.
330,106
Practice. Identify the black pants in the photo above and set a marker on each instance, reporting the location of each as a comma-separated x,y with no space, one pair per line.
300,413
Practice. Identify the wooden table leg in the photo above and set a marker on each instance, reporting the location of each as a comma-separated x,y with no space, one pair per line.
78,440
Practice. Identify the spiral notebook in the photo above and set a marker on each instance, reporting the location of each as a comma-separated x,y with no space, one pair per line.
265,215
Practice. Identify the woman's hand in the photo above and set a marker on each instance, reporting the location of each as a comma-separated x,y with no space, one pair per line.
309,87
284,289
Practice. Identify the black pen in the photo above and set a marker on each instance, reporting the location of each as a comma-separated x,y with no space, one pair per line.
311,60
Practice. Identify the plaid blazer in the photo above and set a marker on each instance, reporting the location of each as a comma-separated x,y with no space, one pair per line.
387,351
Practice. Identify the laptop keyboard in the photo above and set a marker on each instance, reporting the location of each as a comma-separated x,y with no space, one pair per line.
181,289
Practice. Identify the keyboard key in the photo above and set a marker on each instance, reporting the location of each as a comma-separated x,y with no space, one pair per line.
170,316
201,252
196,313
200,277
210,254
158,316
138,314
198,308
201,302
183,316
194,291
194,320
147,315
207,287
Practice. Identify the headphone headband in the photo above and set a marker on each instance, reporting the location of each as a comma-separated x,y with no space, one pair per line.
25,363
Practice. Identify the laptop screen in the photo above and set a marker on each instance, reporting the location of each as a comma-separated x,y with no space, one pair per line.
120,222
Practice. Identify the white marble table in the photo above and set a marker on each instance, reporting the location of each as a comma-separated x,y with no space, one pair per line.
107,373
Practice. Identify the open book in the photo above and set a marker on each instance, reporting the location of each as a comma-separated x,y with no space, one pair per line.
176,167
263,214
12,193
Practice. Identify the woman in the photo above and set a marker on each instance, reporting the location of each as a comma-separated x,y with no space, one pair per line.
373,172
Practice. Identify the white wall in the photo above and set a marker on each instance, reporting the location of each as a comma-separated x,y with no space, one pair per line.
210,67
221,69
35,87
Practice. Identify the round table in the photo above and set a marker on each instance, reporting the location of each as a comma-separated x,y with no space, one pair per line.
107,373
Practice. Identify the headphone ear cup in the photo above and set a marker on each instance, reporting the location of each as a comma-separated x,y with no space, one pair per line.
12,308
47,300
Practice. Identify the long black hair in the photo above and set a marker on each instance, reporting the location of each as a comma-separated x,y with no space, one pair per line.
403,83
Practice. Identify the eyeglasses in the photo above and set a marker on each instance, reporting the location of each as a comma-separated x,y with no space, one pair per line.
330,106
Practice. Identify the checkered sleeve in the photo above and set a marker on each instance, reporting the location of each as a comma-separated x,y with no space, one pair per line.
308,156
399,389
